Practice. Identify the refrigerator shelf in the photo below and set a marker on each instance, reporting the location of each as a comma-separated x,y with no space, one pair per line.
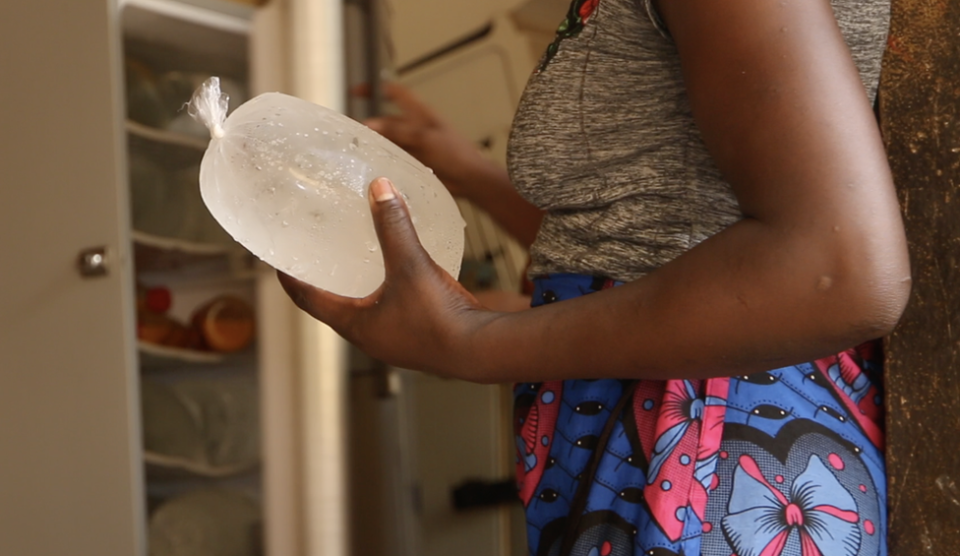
159,466
207,35
156,253
169,19
188,248
163,136
153,356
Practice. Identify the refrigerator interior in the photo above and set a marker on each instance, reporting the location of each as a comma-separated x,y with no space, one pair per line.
196,288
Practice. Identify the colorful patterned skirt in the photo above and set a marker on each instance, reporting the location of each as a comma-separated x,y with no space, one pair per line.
783,463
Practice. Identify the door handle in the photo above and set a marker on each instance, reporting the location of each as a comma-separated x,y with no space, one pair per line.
92,262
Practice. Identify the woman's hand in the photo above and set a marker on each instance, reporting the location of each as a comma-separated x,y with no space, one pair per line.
420,318
457,162
431,140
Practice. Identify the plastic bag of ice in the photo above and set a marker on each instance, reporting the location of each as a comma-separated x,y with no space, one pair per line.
288,180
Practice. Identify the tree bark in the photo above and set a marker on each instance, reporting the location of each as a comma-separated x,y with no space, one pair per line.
919,103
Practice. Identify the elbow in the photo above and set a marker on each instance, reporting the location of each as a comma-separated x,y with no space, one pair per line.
898,299
865,273
884,307
878,298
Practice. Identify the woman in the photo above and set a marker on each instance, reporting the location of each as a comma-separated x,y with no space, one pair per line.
711,174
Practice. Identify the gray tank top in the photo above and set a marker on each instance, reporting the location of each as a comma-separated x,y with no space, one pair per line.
604,141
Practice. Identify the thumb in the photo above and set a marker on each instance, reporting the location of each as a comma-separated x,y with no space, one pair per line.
391,218
330,308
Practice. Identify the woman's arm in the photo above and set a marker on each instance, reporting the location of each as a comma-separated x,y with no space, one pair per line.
489,187
457,162
818,264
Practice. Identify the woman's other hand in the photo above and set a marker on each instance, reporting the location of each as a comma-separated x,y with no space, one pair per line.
420,318
456,161
424,134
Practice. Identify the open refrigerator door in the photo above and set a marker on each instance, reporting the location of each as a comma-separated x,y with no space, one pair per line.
231,375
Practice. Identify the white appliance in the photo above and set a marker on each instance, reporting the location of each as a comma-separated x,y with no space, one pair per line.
74,478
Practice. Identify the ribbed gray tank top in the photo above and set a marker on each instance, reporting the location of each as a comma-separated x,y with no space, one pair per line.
604,141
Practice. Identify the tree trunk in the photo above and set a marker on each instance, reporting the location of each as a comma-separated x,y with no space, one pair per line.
919,103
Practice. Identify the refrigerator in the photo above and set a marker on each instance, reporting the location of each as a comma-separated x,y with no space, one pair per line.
96,212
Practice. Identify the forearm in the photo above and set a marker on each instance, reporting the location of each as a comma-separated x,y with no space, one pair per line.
749,299
490,189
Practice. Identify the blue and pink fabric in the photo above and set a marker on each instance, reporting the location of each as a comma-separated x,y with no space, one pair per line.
783,463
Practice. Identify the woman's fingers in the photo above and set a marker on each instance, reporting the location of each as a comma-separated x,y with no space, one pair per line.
361,90
401,251
398,238
398,129
404,98
410,103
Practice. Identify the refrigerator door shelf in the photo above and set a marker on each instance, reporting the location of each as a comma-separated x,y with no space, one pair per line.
166,137
160,467
154,356
156,253
212,36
